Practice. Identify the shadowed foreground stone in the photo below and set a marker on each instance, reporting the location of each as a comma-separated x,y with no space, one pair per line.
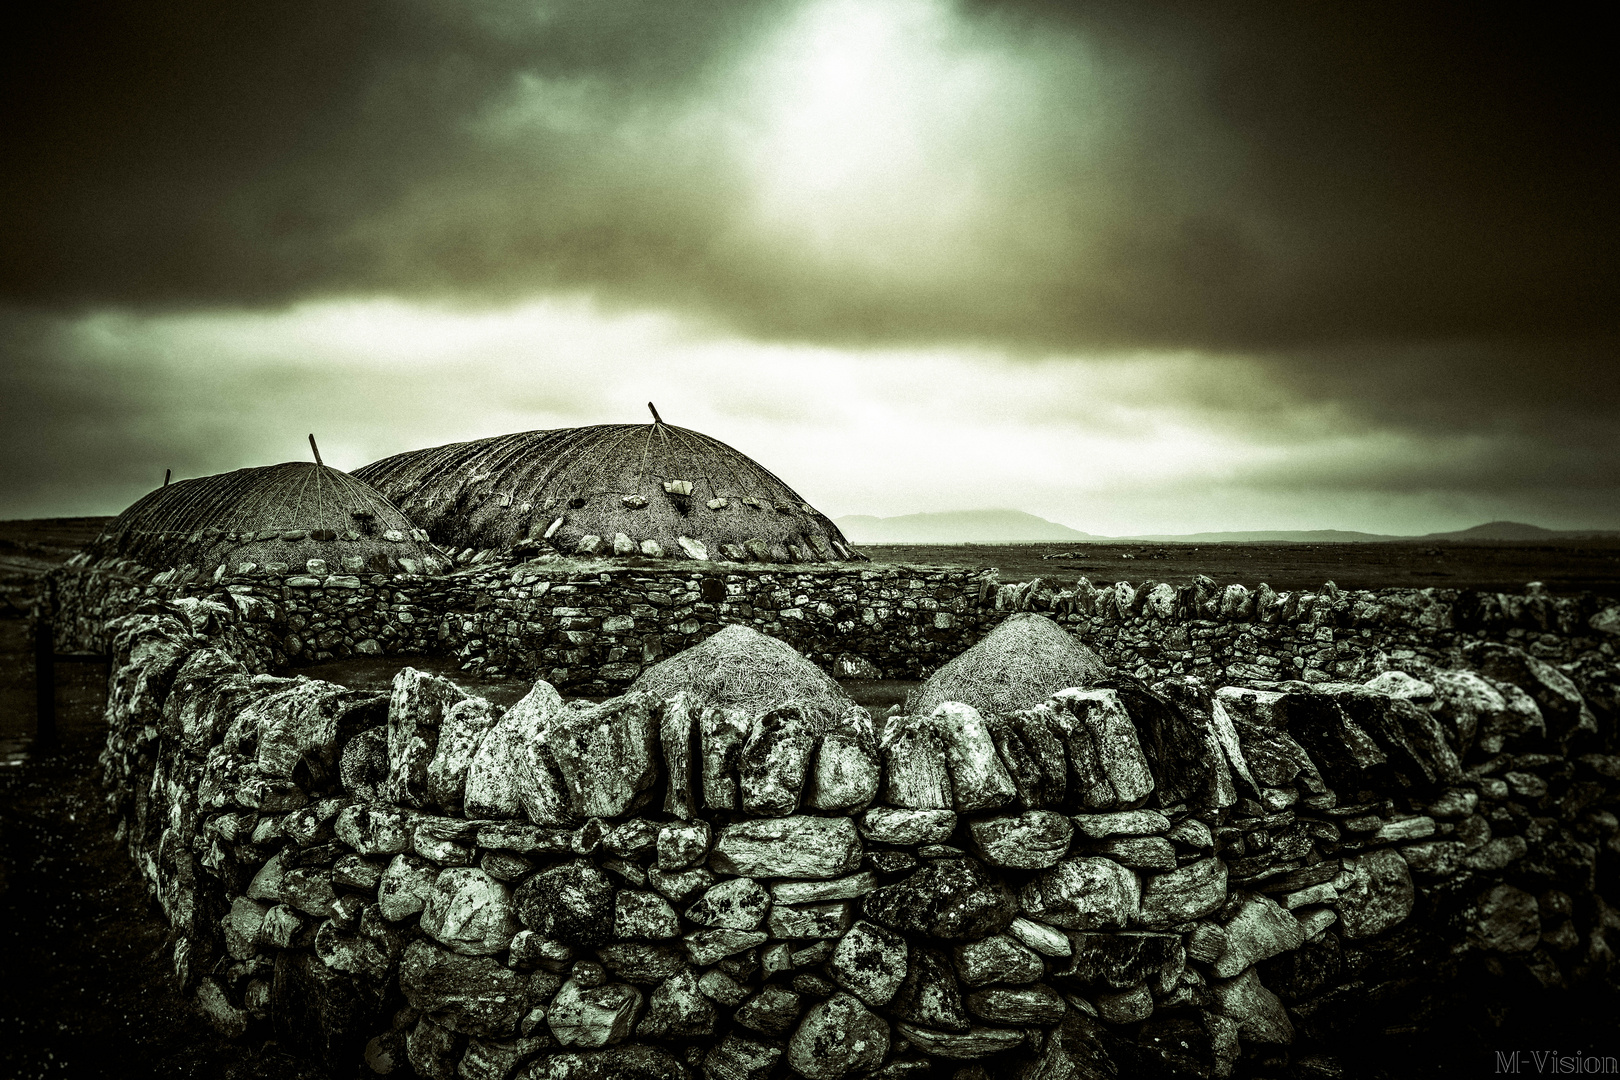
836,1038
570,902
955,899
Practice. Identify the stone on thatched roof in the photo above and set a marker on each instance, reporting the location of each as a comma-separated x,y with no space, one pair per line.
742,669
275,517
1019,664
613,489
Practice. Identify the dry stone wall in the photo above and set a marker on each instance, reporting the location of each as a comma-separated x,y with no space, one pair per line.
593,628
1186,879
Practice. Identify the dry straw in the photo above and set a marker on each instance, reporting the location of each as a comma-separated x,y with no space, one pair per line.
646,482
740,668
275,514
1020,663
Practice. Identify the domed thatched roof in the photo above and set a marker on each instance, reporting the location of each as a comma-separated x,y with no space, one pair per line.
637,489
1020,663
741,668
277,517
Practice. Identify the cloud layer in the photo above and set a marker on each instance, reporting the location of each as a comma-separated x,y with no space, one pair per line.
1365,251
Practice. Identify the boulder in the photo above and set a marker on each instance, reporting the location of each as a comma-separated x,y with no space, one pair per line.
1032,840
593,1016
461,732
640,914
999,958
979,780
1261,929
570,902
836,1038
846,772
955,899
506,776
1119,961
737,904
1375,893
775,760
1082,894
869,962
474,994
470,912
908,828
676,1009
1190,892
929,994
606,755
416,708
789,847
774,1011
1260,1017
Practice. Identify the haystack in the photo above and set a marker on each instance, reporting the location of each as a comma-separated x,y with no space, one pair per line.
614,489
743,669
1020,663
276,517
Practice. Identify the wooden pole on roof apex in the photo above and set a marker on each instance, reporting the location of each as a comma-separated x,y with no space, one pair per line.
166,477
656,418
315,448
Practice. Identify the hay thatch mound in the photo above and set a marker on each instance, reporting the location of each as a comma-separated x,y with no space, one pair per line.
664,491
275,517
1020,663
741,668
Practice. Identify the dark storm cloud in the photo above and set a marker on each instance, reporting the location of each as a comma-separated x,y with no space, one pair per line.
1400,218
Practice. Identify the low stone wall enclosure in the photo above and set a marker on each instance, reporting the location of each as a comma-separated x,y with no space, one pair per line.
1196,870
592,628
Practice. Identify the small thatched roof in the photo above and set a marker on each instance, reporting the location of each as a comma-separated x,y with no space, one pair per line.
741,668
277,517
659,490
1020,663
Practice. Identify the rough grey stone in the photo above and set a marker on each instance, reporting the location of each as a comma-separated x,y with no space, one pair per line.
1024,1005
433,1049
1375,893
812,892
790,847
374,830
774,762
999,958
474,994
643,963
506,777
679,846
828,920
633,1061
929,994
773,1011
955,899
461,731
1113,735
737,1057
593,1017
1181,895
1505,919
606,755
677,1010
907,828
638,914
569,902
1259,1015
1043,939
838,1037
975,1043
1082,894
1260,930
736,904
416,708
1123,823
1140,852
470,912
711,946
979,780
846,772
1032,840
1119,961
915,775
870,962
1126,1006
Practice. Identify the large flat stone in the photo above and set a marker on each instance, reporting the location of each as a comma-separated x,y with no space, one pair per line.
788,847
1082,894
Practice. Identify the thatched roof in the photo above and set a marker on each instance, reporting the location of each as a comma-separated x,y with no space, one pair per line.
1020,663
277,517
657,489
743,669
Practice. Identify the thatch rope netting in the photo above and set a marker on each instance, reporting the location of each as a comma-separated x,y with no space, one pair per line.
1019,664
645,482
742,669
272,515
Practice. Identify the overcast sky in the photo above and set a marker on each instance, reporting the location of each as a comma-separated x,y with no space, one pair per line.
1132,267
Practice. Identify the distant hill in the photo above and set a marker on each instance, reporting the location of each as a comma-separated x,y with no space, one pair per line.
1017,527
1273,536
959,527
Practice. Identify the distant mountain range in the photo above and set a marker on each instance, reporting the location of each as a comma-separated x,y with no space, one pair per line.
1017,527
